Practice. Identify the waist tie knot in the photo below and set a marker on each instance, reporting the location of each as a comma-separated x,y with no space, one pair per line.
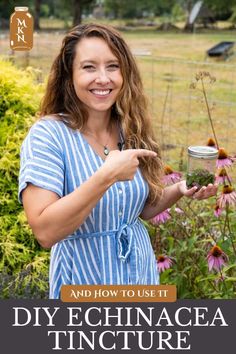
124,241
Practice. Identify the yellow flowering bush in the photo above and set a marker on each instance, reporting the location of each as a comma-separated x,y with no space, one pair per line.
23,264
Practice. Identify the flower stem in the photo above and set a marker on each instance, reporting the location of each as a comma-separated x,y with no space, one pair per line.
224,228
209,113
157,241
223,280
228,178
212,125
229,228
163,115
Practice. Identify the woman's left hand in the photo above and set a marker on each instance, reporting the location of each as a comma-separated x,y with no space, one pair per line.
203,193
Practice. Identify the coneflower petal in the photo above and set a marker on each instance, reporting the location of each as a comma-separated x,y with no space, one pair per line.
211,262
216,258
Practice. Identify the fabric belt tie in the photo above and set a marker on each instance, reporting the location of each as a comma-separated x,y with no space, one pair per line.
124,234
124,241
124,238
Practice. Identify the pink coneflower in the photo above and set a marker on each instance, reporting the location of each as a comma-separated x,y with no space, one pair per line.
217,211
211,142
178,210
222,176
161,218
216,258
171,176
227,197
224,160
163,263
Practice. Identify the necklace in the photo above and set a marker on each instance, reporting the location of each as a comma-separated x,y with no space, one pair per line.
105,147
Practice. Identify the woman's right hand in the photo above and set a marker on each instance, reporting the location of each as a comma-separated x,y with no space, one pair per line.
122,165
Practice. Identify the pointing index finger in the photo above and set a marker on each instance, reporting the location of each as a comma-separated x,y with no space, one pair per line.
145,152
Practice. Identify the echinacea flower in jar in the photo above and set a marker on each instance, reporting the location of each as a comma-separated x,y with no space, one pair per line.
201,166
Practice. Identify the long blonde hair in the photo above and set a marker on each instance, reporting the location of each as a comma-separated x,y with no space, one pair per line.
130,109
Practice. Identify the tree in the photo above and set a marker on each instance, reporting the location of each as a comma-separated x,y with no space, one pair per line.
78,6
233,17
112,7
222,9
37,5
137,8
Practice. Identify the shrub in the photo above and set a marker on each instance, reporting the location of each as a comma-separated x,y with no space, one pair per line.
23,264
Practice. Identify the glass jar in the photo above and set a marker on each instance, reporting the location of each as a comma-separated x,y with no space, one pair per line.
201,166
21,29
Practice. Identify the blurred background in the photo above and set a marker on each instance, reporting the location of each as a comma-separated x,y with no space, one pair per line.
171,40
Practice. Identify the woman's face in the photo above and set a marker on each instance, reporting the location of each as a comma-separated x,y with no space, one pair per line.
97,76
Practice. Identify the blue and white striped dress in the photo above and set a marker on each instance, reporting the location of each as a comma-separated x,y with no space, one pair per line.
112,246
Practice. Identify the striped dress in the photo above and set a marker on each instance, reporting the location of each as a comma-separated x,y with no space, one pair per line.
112,246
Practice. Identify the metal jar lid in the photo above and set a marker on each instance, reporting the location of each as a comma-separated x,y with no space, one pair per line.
203,152
21,8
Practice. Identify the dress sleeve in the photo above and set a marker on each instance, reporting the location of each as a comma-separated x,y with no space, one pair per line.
41,160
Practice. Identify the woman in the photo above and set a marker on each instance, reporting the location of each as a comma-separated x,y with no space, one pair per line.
90,167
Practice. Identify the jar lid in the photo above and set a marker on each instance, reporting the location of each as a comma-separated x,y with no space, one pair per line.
202,152
21,8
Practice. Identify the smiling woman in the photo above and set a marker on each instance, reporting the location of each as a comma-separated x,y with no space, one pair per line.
90,167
